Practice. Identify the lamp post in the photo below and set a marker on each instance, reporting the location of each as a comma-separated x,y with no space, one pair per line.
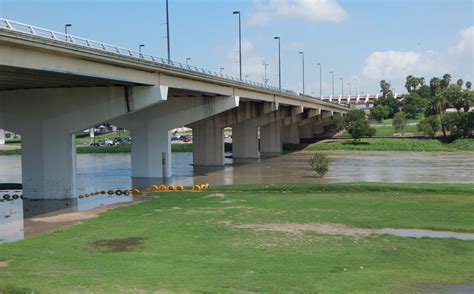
279,62
302,54
342,87
350,89
65,28
240,44
187,60
140,48
246,77
222,70
320,81
332,73
168,31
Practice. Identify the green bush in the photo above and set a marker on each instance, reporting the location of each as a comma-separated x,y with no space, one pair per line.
319,163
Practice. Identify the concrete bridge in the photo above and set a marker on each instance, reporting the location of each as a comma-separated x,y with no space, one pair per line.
54,85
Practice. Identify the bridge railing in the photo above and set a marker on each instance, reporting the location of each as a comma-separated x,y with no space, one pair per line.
79,41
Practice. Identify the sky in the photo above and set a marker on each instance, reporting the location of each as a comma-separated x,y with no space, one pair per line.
361,41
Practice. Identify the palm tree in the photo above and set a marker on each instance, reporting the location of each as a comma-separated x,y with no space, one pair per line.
435,85
468,85
422,81
445,81
459,83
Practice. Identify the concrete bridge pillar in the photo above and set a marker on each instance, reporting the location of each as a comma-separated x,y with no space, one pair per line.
307,131
245,140
2,137
151,151
48,162
208,142
270,139
291,134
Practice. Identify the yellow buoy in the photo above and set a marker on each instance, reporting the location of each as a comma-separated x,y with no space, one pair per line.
162,188
196,188
179,187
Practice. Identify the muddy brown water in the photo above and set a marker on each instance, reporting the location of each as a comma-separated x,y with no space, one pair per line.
97,172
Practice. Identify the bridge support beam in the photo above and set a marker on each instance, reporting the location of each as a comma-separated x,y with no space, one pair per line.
270,139
47,120
208,142
2,137
291,134
245,140
151,151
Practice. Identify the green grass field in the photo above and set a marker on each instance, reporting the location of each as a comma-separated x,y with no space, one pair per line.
194,242
398,144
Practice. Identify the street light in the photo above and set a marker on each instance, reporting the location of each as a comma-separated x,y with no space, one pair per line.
279,62
67,26
168,31
246,77
342,87
332,73
320,81
187,60
350,89
302,54
140,48
240,44
222,70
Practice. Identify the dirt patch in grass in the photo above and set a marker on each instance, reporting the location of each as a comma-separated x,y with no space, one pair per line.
331,229
3,264
119,245
215,195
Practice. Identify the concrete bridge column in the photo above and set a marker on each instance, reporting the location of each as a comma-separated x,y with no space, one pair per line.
208,142
48,162
291,134
307,131
270,139
151,151
2,137
245,140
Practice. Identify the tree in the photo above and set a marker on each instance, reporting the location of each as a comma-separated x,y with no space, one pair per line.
468,85
459,124
337,123
429,126
379,112
414,104
454,97
399,122
435,85
445,81
409,83
460,82
385,88
390,102
357,125
425,92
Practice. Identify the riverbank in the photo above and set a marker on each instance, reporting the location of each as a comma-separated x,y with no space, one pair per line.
395,144
288,238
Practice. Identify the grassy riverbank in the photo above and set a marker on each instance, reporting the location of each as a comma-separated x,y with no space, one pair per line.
398,144
249,239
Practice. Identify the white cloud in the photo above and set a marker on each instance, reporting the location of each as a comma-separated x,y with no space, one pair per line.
466,42
391,64
309,10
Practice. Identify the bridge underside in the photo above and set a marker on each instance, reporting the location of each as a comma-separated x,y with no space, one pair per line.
14,78
49,97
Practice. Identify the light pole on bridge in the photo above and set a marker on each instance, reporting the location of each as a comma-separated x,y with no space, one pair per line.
140,48
279,63
342,87
332,74
240,44
65,28
168,32
302,54
320,81
187,60
350,89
